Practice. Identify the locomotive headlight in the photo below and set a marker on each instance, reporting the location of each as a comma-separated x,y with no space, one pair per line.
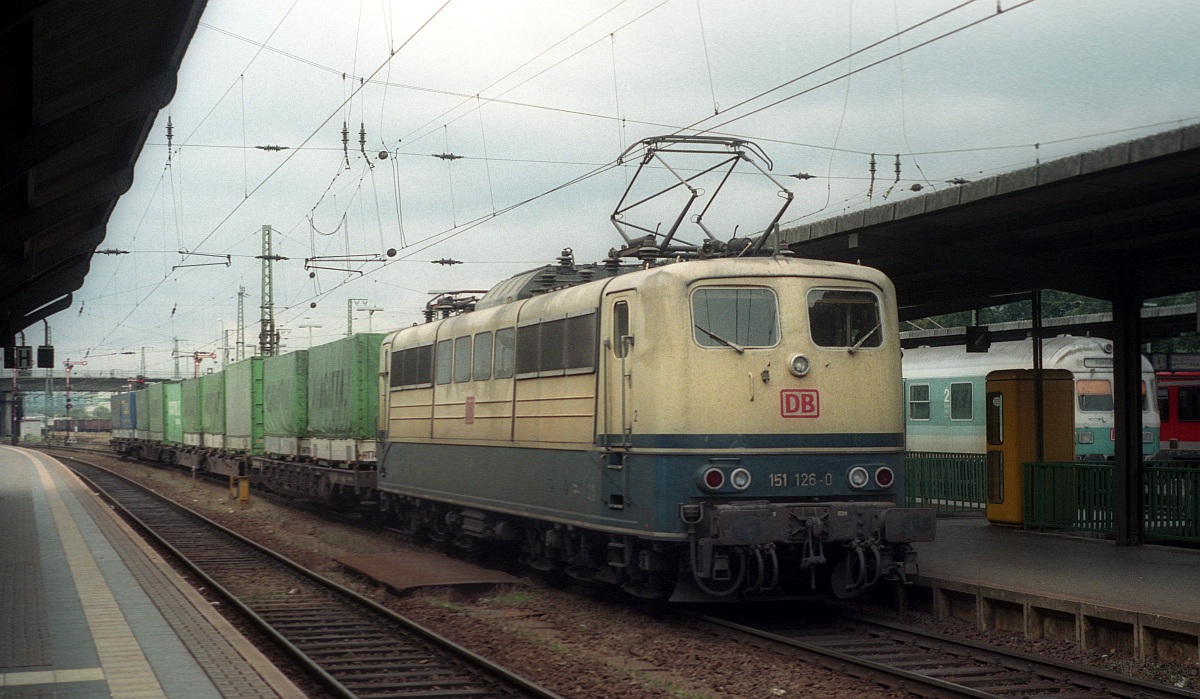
858,477
739,479
1086,438
799,365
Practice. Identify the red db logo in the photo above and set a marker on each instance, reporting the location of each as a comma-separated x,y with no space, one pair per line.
799,403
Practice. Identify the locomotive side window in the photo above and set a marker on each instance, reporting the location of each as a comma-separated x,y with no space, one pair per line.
581,343
445,361
528,342
506,345
557,347
412,367
918,401
1164,404
844,318
1188,398
482,367
462,359
1095,395
620,328
395,370
735,318
960,401
552,351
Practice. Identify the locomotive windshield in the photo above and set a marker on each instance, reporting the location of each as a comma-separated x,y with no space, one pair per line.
735,318
844,318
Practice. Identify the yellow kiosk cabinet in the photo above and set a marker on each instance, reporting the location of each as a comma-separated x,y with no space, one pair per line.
1012,437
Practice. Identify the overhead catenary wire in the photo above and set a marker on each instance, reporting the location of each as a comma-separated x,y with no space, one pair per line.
486,160
868,66
292,153
238,206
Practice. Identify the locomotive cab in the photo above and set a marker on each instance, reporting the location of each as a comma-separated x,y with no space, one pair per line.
763,405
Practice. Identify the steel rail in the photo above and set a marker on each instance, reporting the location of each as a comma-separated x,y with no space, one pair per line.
505,677
1006,672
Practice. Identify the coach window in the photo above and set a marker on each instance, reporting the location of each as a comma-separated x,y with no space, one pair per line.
482,368
444,365
506,343
1164,404
918,401
1188,408
960,401
1095,395
735,318
620,328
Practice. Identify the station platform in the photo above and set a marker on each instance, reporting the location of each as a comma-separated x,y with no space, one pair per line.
88,609
1144,600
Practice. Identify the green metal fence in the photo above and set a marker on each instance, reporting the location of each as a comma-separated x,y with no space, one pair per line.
1068,496
945,482
1073,495
1077,496
1173,502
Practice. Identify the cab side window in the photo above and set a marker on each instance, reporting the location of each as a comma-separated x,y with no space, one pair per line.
620,328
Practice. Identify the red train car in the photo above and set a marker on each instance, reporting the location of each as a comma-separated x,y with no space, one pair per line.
1179,407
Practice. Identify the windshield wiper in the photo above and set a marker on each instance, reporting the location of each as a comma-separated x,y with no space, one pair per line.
723,341
853,348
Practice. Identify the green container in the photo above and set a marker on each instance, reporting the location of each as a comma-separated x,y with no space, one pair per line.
191,406
285,395
141,411
244,406
212,404
343,387
157,410
173,413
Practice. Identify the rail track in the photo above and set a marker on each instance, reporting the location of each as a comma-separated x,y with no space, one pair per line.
350,644
935,665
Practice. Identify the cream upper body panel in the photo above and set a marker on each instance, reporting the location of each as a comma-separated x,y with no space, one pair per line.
682,386
669,375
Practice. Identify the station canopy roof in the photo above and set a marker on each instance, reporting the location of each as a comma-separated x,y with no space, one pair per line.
81,83
1118,222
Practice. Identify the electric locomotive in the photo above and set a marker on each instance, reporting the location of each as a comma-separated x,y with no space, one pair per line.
730,425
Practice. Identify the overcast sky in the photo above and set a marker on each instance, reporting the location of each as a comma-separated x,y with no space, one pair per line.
534,94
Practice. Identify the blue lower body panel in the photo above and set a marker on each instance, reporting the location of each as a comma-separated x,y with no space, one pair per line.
620,492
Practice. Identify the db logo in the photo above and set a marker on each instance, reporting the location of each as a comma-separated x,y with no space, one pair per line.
799,403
